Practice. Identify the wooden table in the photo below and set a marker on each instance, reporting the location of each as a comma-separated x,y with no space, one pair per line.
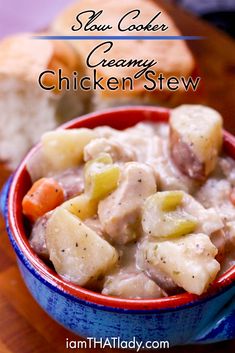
24,326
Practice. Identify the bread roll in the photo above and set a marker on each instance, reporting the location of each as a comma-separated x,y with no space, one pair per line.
27,110
173,57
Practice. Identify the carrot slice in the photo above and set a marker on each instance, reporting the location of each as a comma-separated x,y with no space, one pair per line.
45,195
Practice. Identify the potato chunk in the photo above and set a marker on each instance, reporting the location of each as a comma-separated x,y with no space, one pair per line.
189,261
64,148
162,279
195,139
78,254
163,218
131,285
101,177
81,206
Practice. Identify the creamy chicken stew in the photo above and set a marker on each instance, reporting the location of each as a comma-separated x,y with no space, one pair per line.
146,212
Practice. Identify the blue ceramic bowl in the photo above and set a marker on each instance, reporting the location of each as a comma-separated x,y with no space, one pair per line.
180,319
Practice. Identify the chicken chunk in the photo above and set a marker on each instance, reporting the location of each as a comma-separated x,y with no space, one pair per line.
216,193
207,196
209,220
94,224
120,152
147,148
120,212
148,144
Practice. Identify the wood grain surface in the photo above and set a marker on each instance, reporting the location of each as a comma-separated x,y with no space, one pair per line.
24,326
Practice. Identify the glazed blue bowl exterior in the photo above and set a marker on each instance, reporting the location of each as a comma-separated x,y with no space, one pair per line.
207,320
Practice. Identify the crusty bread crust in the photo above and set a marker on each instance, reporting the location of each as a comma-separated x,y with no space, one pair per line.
27,110
64,57
173,57
25,58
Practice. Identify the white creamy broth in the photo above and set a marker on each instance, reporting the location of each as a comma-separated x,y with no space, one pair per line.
168,231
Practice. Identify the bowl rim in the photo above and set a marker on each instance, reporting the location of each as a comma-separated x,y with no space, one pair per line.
67,289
